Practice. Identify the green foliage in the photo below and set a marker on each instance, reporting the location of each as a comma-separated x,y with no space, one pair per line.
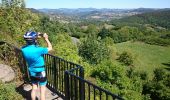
157,41
144,75
7,92
93,50
160,18
113,77
159,74
16,20
65,48
157,87
126,58
92,30
104,33
148,27
51,27
121,34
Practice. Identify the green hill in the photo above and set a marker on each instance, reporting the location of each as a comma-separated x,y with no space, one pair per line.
157,18
146,57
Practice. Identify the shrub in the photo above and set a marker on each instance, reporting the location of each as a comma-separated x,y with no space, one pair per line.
93,50
7,92
126,58
158,87
112,77
143,75
159,74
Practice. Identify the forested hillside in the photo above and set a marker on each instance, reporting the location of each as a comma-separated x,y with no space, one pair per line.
77,15
129,57
156,18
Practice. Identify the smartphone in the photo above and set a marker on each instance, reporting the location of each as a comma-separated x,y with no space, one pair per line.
41,35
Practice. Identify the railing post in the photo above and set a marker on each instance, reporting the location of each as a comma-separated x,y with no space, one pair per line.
54,63
66,83
81,85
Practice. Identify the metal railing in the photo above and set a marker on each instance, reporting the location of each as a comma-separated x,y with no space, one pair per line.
55,70
64,78
77,88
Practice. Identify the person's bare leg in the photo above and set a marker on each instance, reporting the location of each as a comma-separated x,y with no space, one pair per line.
33,92
42,91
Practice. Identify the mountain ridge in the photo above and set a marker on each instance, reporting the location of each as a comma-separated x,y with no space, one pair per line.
103,14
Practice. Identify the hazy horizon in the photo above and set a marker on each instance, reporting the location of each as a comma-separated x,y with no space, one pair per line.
110,4
101,8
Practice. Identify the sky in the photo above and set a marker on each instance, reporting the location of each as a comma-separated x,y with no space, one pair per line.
53,4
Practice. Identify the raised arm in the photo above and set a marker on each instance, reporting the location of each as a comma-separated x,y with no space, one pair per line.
49,46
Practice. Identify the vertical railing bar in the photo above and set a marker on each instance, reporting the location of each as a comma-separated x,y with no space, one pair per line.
54,66
89,90
77,72
70,65
94,93
106,96
62,73
113,98
66,79
62,77
75,83
51,76
100,94
50,71
47,70
81,85
59,75
67,66
71,86
53,73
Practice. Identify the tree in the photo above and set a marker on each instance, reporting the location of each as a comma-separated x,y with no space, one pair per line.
126,58
93,50
15,19
104,33
92,30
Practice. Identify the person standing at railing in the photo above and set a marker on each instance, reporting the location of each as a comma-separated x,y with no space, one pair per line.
33,55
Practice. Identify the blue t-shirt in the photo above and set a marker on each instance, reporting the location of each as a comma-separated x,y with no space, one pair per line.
34,58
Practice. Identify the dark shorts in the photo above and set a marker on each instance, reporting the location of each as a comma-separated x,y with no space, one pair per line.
39,80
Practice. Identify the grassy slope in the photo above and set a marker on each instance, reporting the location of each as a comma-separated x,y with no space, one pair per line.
147,57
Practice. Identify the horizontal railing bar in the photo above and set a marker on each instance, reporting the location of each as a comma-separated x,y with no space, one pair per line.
73,69
62,59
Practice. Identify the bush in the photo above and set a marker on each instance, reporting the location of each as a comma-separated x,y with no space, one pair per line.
113,77
126,58
7,92
158,88
159,74
93,50
108,71
65,48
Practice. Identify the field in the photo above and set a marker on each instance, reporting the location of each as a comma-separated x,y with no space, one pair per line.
146,57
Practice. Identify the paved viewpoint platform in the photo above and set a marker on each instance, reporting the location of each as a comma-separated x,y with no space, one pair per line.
25,90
